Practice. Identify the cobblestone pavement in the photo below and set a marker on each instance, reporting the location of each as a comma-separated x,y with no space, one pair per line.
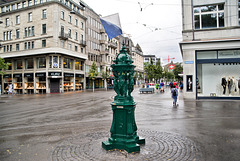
71,126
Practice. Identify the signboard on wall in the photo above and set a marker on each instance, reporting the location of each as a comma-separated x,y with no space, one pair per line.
171,66
54,74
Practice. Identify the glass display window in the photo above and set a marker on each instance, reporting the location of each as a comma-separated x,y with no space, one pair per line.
218,80
6,83
68,63
29,85
79,64
78,84
29,63
68,83
55,61
9,64
18,64
41,62
40,84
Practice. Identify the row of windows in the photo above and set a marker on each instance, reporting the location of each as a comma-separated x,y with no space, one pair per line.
18,64
94,23
54,62
70,19
28,31
44,15
24,4
94,34
27,45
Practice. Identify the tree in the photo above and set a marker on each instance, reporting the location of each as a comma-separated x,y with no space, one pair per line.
105,75
158,71
93,73
149,69
178,70
3,65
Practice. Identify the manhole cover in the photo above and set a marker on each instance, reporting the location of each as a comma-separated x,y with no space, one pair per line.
159,146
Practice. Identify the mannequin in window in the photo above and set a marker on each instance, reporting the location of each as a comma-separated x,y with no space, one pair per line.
239,85
229,83
224,84
233,85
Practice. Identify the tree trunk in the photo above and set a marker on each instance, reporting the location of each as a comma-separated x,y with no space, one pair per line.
93,84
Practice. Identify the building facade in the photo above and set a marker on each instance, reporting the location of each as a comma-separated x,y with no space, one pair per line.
211,49
100,49
44,43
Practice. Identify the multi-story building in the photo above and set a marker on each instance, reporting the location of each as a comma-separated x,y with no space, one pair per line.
137,58
148,58
211,49
44,42
100,49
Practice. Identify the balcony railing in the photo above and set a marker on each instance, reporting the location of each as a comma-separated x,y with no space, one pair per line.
63,36
112,44
83,43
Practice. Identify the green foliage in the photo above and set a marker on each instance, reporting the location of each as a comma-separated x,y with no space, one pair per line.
178,70
153,71
105,74
140,76
93,73
3,65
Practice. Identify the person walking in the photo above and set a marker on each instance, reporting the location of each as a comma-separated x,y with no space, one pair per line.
157,87
174,93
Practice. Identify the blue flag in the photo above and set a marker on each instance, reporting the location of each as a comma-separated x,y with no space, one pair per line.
111,29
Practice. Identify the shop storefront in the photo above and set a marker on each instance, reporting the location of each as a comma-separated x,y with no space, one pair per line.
17,83
217,74
40,83
98,83
68,82
28,83
79,79
55,79
7,82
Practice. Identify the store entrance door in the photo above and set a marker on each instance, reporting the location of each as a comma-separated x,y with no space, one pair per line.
55,85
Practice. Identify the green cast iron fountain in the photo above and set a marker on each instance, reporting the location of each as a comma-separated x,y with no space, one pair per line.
124,128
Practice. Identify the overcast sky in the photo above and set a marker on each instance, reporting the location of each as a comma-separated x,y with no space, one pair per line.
156,28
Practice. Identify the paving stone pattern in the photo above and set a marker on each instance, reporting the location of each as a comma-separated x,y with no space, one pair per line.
159,146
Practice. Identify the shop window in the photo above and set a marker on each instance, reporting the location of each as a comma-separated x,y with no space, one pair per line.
54,61
29,63
41,62
207,55
17,84
68,84
211,16
9,64
226,54
78,64
68,63
189,83
18,64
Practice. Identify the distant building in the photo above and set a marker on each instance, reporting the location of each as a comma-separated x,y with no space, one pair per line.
211,49
148,58
44,42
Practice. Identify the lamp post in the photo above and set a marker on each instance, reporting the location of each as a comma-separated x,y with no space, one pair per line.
124,128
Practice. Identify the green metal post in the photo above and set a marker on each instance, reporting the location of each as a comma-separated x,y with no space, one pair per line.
124,128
